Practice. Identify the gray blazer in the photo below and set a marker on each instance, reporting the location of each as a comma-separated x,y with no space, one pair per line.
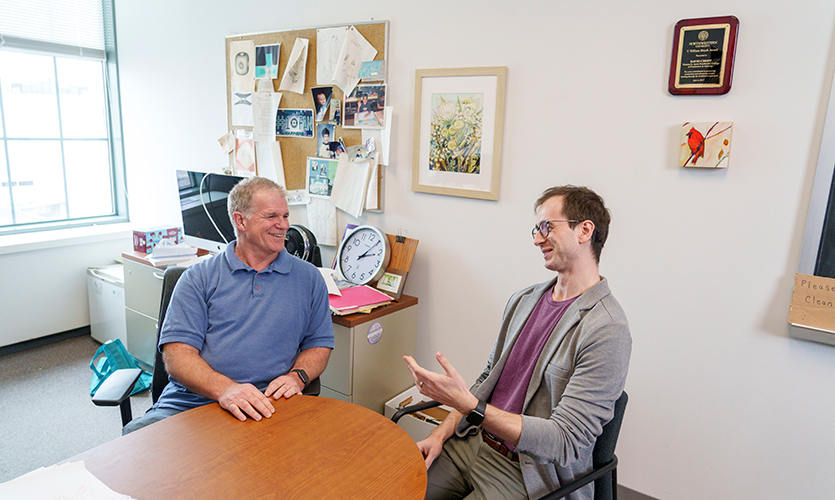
575,383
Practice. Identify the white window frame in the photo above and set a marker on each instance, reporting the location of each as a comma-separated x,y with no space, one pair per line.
108,55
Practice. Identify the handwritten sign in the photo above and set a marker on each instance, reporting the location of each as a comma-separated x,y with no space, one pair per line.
813,302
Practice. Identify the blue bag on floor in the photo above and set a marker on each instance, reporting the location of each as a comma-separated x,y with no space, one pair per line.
114,357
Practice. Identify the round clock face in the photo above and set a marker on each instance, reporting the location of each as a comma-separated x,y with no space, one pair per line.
363,255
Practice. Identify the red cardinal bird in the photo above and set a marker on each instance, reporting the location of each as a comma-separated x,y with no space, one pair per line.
696,141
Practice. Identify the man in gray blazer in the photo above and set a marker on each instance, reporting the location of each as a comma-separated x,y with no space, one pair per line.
530,421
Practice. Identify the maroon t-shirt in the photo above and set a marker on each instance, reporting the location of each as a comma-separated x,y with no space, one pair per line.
509,393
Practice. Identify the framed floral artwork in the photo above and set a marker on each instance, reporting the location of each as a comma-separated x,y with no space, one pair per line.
459,117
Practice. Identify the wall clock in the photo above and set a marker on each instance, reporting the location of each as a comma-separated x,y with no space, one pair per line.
363,255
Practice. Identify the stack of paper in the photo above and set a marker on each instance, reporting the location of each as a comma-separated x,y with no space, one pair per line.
168,254
71,480
361,298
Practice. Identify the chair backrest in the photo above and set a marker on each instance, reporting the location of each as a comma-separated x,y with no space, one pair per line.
604,448
160,380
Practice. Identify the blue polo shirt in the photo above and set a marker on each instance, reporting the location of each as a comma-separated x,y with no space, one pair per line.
247,325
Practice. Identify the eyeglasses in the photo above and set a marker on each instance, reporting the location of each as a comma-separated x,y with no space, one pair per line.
544,227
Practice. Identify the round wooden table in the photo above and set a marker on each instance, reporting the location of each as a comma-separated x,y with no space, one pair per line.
312,447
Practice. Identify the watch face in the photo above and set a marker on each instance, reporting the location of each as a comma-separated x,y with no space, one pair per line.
364,255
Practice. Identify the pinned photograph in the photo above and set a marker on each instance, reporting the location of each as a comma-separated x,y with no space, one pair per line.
371,71
319,177
266,61
706,145
365,107
325,136
339,148
321,99
336,113
294,123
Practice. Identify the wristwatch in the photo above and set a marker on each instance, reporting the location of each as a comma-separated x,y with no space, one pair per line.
302,375
476,417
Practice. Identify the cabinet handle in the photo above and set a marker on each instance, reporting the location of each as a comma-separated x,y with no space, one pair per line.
157,276
104,277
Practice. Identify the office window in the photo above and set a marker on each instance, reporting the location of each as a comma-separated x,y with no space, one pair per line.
61,162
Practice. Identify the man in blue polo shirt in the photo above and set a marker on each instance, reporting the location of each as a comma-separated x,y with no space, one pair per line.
248,324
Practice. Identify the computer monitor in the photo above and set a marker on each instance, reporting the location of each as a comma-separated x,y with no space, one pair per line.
203,197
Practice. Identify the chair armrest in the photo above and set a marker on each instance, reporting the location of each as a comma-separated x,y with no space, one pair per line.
117,387
408,410
594,475
313,388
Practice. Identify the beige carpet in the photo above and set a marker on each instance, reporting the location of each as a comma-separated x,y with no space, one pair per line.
46,415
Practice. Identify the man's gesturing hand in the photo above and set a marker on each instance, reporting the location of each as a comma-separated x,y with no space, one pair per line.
446,388
242,400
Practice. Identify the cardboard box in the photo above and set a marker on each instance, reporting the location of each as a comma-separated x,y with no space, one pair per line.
144,240
417,425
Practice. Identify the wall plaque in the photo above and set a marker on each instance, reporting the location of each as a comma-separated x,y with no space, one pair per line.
703,55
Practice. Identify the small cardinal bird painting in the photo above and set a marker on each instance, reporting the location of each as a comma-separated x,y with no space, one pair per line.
706,145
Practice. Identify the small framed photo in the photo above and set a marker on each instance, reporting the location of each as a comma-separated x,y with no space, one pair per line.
392,283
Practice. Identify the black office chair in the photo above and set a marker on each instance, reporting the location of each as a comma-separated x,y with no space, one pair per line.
604,471
115,391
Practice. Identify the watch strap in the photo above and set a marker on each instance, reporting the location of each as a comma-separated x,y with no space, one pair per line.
476,416
302,375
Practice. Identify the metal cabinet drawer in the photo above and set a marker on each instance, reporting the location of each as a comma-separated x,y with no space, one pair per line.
142,336
338,374
143,288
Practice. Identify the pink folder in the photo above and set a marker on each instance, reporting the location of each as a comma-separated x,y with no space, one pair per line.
356,297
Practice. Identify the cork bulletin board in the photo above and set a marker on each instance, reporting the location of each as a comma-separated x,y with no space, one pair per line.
296,150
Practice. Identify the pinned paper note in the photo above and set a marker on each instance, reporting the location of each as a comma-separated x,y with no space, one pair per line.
241,109
298,197
321,217
355,51
244,153
227,142
350,186
293,80
381,137
268,158
264,107
372,198
329,43
242,62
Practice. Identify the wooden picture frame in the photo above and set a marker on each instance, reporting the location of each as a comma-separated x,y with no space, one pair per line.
459,118
392,282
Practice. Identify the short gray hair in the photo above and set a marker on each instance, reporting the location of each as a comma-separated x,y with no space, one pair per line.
240,198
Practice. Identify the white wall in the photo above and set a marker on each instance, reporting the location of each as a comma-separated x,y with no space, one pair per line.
44,289
722,403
